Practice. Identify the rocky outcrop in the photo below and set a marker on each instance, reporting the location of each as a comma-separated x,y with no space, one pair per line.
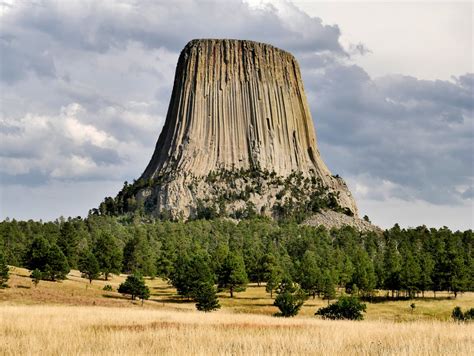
332,219
236,106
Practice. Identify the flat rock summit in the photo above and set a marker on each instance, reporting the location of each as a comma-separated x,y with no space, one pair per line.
238,140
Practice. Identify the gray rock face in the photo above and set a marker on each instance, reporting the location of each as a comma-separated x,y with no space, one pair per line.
332,219
235,105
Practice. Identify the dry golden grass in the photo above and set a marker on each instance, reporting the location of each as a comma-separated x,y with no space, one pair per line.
88,330
73,317
72,291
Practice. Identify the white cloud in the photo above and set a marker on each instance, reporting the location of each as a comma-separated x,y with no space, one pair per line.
366,187
83,133
15,166
75,167
68,146
427,39
85,89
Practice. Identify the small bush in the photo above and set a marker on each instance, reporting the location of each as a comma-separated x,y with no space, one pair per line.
469,314
458,315
108,288
36,276
347,307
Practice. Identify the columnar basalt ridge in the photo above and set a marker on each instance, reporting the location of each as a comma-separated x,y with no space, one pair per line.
235,106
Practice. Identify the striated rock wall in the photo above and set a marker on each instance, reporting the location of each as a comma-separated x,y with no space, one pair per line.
235,105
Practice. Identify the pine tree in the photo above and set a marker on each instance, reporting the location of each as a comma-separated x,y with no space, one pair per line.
165,259
272,273
273,279
37,254
441,258
57,266
108,254
189,272
456,276
456,268
410,273
68,240
4,272
329,291
47,258
392,267
206,298
89,267
426,270
290,298
253,261
310,274
138,256
14,240
135,286
344,266
364,274
232,275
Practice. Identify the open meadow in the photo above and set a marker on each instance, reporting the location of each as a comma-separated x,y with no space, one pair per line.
68,330
73,317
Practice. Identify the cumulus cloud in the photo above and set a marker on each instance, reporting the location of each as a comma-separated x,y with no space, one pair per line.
86,85
99,27
72,145
416,134
85,88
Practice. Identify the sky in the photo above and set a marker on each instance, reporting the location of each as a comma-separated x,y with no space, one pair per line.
85,86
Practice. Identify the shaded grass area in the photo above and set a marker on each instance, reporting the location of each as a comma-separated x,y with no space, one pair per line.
254,300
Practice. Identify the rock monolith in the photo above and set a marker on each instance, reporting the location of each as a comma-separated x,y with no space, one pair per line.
238,136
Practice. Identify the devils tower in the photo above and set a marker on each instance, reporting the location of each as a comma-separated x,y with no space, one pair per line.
238,139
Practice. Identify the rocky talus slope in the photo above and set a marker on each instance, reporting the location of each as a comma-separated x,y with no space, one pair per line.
333,219
239,107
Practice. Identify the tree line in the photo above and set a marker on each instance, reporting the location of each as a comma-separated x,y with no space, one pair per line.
197,255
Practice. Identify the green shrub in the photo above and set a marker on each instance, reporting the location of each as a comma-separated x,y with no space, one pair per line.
290,298
469,314
107,288
135,286
458,315
36,276
347,307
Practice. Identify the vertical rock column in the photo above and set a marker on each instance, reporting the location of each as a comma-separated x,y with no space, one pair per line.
239,104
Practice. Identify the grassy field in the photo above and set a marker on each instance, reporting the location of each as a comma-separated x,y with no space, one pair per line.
73,317
68,330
